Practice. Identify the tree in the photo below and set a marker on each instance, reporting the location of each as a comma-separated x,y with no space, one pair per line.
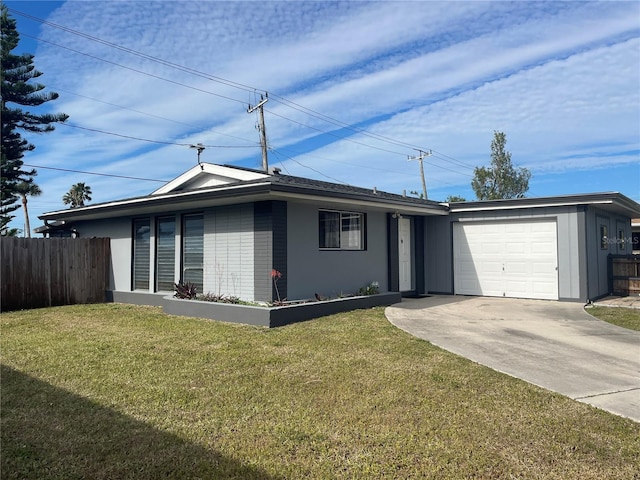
16,73
25,189
455,198
77,195
501,180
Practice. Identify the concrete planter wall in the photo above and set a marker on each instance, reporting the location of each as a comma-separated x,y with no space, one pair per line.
274,316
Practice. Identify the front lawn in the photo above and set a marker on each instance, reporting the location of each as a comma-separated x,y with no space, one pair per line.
623,317
118,391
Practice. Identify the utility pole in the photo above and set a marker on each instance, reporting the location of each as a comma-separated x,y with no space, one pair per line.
420,157
262,129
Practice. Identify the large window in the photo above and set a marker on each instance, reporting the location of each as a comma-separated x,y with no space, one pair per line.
141,253
341,230
165,253
193,249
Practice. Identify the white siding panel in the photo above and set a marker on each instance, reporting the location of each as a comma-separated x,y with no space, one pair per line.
506,258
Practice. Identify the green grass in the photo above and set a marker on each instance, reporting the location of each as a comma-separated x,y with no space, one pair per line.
116,392
623,317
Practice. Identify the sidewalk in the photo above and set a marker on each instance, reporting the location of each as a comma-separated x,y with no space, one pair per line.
626,302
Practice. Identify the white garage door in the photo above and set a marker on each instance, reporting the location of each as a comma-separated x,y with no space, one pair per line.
506,259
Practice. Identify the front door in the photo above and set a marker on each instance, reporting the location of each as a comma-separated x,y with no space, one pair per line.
404,246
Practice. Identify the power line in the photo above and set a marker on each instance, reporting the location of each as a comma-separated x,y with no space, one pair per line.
233,84
158,77
131,51
353,128
95,173
310,168
237,85
130,137
58,89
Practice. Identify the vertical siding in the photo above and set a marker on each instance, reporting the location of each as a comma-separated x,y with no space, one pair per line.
263,248
597,257
569,273
228,251
279,256
439,255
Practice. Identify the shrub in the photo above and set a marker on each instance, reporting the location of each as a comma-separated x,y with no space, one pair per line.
185,290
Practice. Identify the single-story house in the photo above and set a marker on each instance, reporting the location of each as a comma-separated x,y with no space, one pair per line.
227,229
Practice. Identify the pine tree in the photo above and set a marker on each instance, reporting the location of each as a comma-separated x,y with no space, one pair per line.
501,180
18,90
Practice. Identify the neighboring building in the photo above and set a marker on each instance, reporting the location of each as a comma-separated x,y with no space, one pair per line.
226,228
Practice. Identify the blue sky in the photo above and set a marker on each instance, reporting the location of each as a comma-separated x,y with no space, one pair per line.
355,88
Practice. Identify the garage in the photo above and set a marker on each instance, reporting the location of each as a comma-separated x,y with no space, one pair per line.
512,258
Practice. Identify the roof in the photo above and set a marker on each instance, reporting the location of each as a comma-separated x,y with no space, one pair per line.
208,185
611,201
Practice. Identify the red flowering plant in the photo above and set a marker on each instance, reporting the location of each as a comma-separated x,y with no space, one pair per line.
276,275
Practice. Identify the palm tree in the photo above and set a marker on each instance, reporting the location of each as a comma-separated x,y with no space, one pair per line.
25,189
77,195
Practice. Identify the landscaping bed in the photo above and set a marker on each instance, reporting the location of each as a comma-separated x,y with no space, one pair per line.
274,316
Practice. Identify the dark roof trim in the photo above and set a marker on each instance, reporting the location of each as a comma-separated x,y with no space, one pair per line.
247,191
608,200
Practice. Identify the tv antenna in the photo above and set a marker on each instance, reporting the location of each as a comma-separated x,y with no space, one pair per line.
200,148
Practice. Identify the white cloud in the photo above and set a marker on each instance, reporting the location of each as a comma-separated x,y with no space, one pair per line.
561,79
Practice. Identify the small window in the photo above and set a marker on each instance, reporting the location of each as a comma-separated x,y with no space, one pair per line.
141,253
622,244
604,237
341,230
193,250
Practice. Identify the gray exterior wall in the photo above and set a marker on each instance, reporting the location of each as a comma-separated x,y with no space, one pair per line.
270,240
439,255
571,268
119,231
326,272
598,283
229,251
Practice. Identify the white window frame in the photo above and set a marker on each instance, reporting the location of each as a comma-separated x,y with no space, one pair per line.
346,236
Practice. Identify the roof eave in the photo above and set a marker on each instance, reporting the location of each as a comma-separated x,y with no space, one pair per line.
608,200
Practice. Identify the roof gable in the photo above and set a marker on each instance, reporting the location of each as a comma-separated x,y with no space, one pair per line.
208,175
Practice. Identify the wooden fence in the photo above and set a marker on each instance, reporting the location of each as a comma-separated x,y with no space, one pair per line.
624,274
44,272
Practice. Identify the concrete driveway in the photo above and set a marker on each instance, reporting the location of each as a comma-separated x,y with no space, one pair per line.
555,345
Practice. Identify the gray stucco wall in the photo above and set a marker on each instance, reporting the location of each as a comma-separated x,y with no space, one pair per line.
329,273
439,247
